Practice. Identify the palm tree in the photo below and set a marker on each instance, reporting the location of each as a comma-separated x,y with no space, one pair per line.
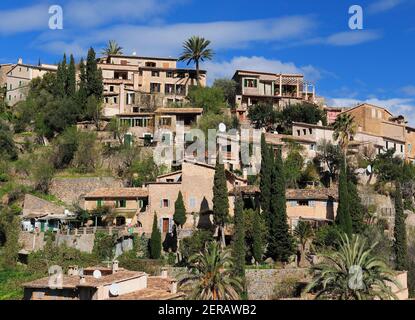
352,273
344,129
196,50
211,275
303,232
112,49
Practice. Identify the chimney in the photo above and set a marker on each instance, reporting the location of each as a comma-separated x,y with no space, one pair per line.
73,271
20,61
164,273
115,266
82,279
173,287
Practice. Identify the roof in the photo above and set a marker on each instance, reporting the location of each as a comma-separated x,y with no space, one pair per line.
118,193
312,194
35,207
179,110
294,194
48,68
365,104
312,125
268,73
279,139
140,57
158,288
72,282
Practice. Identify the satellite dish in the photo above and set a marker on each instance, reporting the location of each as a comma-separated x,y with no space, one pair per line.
114,290
97,274
134,53
222,127
369,169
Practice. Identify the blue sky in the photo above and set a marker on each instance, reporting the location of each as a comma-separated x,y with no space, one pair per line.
375,64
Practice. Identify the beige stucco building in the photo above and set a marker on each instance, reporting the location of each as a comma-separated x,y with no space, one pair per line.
277,89
134,84
19,77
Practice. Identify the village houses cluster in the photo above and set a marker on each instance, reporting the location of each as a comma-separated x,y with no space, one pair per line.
147,94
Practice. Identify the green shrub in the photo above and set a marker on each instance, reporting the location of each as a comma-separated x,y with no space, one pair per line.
289,287
194,244
326,236
104,246
130,261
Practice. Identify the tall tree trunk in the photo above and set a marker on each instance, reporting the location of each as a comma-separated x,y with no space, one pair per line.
197,73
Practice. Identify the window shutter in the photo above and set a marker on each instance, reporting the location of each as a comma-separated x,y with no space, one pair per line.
161,203
170,225
161,224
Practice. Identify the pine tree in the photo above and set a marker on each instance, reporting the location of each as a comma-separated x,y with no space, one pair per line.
155,240
280,246
238,249
343,219
220,200
94,86
71,81
257,246
179,216
400,244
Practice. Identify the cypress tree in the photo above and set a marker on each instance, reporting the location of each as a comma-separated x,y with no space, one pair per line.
61,78
155,240
257,245
179,215
220,200
238,249
343,219
71,81
280,246
81,95
355,207
265,182
94,84
400,244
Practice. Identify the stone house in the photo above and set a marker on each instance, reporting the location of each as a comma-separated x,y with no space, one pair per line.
133,84
100,283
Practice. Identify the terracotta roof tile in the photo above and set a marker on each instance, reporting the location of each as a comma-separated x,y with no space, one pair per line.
179,110
118,193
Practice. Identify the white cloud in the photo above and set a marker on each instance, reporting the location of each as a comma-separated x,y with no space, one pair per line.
398,106
351,38
167,39
409,90
226,69
383,5
99,12
32,18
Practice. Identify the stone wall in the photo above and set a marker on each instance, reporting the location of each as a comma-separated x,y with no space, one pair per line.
31,241
71,190
82,242
260,282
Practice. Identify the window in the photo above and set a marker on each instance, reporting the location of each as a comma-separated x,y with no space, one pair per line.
293,203
164,203
155,73
111,88
20,83
151,64
140,203
99,203
303,203
312,147
250,83
165,138
106,100
310,130
180,89
401,148
305,131
115,99
165,121
192,202
298,132
11,86
169,88
169,74
387,145
122,203
155,87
